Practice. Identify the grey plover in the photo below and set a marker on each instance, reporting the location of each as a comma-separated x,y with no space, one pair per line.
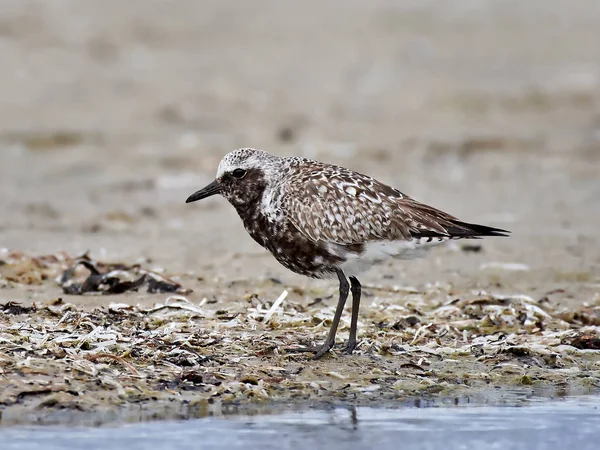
322,220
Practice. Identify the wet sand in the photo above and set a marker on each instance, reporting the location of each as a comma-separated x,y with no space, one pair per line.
114,113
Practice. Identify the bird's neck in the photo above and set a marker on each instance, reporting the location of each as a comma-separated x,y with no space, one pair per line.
261,214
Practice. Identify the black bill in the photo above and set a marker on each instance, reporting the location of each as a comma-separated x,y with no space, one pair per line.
212,189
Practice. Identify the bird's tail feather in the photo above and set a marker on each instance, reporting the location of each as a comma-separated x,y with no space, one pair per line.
472,230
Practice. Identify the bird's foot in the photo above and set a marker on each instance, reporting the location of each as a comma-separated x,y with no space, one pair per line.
319,351
350,347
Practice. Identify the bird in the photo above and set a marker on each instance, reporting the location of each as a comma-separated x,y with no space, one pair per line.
322,220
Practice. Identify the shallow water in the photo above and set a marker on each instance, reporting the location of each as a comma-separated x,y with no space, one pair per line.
572,423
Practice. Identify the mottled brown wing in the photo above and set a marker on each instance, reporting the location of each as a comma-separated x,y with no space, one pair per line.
345,207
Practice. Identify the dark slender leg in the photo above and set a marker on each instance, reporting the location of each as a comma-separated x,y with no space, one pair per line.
320,351
355,289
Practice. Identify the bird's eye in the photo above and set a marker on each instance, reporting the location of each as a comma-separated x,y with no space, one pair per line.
238,173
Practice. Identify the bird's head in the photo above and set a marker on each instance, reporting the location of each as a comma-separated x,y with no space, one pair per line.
242,177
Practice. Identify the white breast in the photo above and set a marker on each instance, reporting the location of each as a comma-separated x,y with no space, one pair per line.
271,204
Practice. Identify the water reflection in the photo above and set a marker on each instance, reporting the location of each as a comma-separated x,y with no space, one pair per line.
204,409
571,423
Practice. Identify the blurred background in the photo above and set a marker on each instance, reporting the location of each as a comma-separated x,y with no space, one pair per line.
113,112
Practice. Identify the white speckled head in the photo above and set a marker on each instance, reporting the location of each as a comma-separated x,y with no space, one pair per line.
243,176
246,159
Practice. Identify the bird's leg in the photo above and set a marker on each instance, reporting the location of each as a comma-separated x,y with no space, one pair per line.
355,289
320,351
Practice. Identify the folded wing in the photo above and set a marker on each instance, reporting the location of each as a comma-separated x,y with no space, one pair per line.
348,208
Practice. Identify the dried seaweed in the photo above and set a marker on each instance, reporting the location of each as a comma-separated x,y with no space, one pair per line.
585,341
427,342
114,279
16,308
96,277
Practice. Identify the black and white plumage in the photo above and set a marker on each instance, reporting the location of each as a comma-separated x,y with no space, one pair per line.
322,220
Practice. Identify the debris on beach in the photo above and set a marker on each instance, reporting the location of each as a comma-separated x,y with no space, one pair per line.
114,278
431,344
83,275
18,267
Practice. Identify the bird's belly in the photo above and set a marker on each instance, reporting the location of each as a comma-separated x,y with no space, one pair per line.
378,251
305,258
293,250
